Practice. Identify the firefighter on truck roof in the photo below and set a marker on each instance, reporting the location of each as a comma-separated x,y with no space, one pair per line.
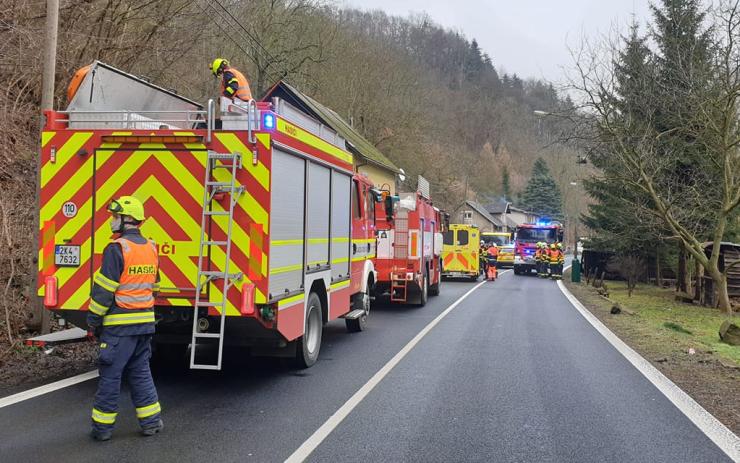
122,318
233,83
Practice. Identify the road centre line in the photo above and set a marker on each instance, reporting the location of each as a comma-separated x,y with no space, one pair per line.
717,432
305,450
46,388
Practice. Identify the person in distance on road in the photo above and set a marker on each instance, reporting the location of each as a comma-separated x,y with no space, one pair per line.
557,258
482,257
538,258
233,83
492,256
122,317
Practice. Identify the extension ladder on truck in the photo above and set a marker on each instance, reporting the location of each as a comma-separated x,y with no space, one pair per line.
399,283
231,162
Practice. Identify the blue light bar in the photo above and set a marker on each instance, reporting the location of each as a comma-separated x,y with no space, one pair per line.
268,121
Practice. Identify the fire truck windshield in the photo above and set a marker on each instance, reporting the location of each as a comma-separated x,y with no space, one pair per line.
533,235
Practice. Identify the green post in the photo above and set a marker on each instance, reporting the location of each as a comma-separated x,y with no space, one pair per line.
575,271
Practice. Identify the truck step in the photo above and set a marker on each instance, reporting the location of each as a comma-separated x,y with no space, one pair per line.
353,315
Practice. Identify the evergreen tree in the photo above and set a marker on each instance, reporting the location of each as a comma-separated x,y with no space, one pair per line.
542,195
613,215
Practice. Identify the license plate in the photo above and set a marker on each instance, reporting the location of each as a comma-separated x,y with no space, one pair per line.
66,255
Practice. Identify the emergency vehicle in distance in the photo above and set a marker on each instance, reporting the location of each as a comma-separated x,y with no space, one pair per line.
461,252
505,247
525,243
264,231
409,245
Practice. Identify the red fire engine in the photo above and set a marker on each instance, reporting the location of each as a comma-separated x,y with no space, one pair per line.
409,230
262,227
525,243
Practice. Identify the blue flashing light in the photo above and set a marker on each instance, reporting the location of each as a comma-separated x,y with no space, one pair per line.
268,121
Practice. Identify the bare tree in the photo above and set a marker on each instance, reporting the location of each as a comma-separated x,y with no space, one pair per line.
694,201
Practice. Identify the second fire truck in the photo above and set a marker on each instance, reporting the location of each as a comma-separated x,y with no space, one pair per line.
409,245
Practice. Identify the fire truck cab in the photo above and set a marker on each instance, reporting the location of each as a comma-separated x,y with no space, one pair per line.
525,243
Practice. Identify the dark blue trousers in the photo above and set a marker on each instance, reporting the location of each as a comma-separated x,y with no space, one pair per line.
125,357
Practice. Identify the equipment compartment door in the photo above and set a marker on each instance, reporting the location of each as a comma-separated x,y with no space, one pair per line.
170,184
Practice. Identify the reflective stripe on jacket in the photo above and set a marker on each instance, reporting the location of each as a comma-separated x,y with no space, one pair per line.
556,256
139,277
235,85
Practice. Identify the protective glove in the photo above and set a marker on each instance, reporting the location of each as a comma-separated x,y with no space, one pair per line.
94,332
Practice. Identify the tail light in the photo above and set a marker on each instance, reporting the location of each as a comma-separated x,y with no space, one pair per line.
247,306
51,298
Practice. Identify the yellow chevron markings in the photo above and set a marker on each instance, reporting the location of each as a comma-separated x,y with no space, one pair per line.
72,186
151,187
45,137
64,154
248,204
182,259
264,139
232,143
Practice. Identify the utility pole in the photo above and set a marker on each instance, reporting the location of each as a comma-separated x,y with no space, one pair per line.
47,102
50,54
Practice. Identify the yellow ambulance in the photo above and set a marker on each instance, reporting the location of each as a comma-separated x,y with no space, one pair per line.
461,252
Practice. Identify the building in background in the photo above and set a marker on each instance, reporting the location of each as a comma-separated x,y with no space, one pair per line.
509,215
474,213
368,159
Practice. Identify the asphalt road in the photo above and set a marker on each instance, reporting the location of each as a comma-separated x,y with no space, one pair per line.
514,373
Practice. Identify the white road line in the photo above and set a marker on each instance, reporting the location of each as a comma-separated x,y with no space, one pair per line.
323,432
45,389
705,421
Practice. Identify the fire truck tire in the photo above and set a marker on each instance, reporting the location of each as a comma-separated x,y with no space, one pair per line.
424,292
309,344
434,289
359,324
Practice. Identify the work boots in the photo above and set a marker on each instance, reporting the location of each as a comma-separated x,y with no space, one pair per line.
153,429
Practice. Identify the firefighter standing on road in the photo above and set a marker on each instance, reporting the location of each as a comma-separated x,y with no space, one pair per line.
233,83
492,257
557,258
538,258
122,317
483,260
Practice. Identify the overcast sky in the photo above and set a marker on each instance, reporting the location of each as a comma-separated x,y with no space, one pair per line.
526,37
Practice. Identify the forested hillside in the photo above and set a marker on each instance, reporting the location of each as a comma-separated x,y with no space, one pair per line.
428,97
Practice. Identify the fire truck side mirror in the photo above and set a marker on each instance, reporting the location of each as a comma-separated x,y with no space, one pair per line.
354,248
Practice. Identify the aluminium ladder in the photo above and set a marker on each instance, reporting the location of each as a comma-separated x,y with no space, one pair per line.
399,283
231,162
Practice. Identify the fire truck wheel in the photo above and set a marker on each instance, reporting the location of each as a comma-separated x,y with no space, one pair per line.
424,292
309,344
434,289
359,324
